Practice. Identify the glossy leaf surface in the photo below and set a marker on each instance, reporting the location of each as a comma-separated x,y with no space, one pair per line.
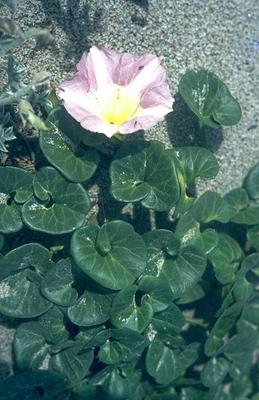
145,171
74,168
113,255
58,206
209,98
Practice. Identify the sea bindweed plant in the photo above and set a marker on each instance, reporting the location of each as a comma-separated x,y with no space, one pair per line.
155,302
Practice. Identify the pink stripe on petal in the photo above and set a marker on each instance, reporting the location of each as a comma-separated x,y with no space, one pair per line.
128,67
86,69
74,93
156,95
100,66
146,76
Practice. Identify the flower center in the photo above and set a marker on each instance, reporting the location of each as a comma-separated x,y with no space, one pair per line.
119,105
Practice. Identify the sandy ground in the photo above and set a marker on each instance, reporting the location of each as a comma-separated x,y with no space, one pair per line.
220,35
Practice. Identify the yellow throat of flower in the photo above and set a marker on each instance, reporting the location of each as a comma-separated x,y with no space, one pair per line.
119,105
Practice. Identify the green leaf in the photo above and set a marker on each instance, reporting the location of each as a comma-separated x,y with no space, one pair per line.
165,365
76,168
15,189
113,255
222,326
134,342
57,284
53,326
58,206
187,357
111,352
159,293
2,240
20,297
211,207
169,321
177,273
225,258
239,349
196,162
196,394
126,313
93,336
30,346
145,171
114,385
237,199
207,240
31,255
90,309
209,98
249,320
214,371
29,384
185,271
187,228
22,269
16,181
251,182
72,364
195,293
161,362
253,236
248,216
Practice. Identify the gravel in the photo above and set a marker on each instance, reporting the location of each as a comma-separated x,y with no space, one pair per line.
222,36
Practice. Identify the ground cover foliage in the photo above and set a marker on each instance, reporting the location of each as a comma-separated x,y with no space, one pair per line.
164,308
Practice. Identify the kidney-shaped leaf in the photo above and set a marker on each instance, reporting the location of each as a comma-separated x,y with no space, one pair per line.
76,168
72,364
211,207
225,258
214,371
126,313
161,362
53,325
165,364
16,181
251,182
20,297
145,171
196,162
15,189
22,269
178,273
26,256
111,352
113,255
169,321
90,309
185,271
58,206
248,216
30,346
240,349
209,98
222,326
57,283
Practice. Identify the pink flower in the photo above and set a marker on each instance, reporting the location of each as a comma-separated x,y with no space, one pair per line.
117,92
